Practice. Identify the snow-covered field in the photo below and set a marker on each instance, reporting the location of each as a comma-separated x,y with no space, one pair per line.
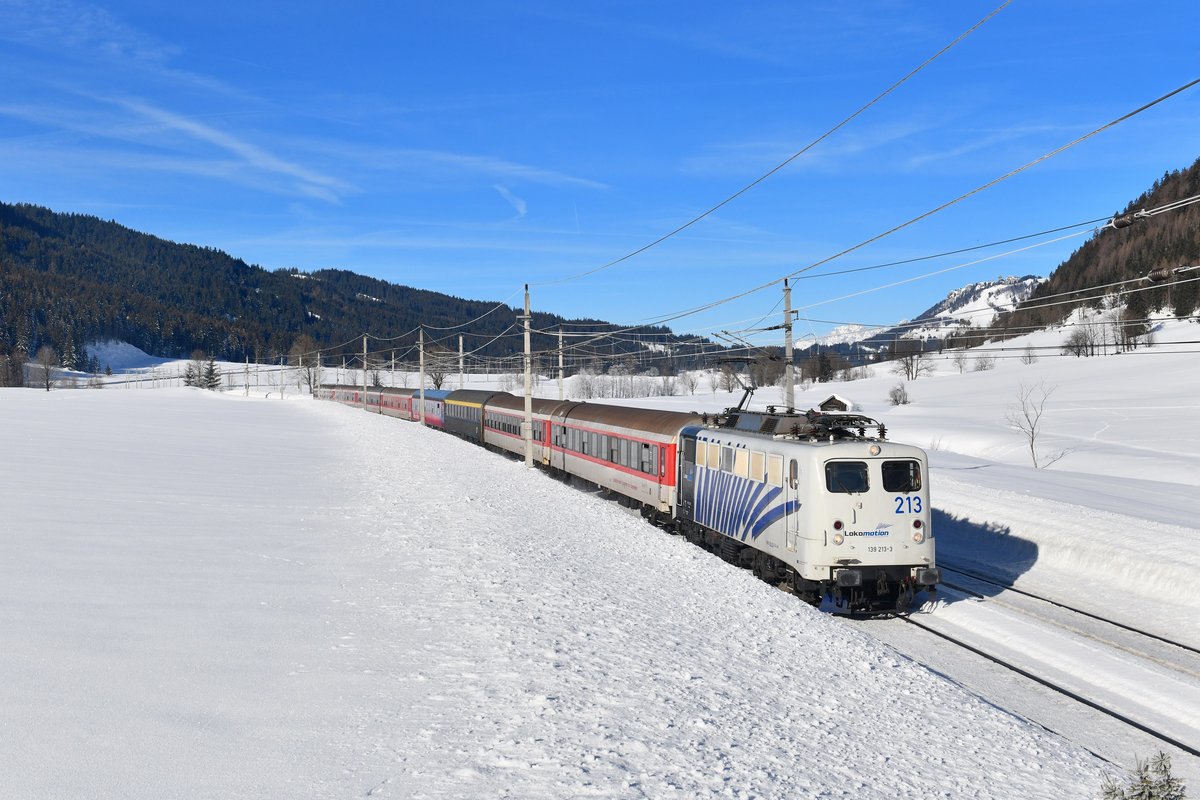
212,595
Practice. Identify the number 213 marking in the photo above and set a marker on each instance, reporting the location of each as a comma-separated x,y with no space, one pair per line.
909,505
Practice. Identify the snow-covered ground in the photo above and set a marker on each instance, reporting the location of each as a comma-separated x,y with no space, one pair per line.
212,595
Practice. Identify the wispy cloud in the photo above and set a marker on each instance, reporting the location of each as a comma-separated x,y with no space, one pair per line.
983,140
78,28
94,37
517,203
166,141
488,165
306,181
755,156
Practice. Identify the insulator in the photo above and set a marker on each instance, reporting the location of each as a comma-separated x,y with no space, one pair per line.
1124,221
1159,275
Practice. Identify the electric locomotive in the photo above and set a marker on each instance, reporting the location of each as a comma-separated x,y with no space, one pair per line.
813,501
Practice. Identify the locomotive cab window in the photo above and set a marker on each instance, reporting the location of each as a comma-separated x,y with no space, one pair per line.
846,477
902,476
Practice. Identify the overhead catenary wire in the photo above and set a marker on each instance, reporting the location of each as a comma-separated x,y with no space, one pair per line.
660,320
845,121
673,316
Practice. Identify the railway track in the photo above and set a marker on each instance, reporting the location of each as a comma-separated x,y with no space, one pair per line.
1142,680
1055,687
1008,587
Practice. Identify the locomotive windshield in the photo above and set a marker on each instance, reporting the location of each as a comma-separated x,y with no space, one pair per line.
846,477
901,476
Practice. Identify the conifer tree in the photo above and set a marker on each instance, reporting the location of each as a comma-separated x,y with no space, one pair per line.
212,375
1151,780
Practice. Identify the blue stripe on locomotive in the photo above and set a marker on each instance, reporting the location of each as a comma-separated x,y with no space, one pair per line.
738,507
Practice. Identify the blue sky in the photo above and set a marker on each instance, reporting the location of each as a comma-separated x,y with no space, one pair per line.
471,148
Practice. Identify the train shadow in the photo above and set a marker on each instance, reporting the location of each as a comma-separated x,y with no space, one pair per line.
986,549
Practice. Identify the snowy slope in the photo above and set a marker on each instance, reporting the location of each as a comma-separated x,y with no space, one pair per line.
209,596
973,306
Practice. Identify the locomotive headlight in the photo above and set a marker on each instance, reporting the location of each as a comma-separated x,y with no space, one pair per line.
875,450
838,538
918,536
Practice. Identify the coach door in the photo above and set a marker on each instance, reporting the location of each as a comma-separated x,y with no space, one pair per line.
687,475
791,494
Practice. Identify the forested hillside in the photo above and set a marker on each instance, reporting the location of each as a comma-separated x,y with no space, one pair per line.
70,279
1113,255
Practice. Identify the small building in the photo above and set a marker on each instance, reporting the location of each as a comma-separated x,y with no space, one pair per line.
836,403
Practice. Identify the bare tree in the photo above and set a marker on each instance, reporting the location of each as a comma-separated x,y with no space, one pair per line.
584,385
1083,340
1026,416
439,363
1029,356
910,361
690,380
960,360
898,395
43,366
729,378
303,357
984,363
766,370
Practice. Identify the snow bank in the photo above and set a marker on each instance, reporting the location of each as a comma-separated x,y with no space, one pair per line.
215,596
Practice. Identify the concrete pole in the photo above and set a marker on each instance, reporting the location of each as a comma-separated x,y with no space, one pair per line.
364,402
560,363
421,373
789,378
460,361
527,425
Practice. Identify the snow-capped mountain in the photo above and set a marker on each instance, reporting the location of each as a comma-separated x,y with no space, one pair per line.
973,306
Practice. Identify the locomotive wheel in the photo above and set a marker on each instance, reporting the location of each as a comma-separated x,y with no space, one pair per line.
729,550
764,568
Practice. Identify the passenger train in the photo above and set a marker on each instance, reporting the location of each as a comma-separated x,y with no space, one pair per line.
807,499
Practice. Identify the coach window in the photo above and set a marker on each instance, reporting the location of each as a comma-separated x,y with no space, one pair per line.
846,477
726,459
757,466
714,456
902,476
645,463
741,463
775,471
